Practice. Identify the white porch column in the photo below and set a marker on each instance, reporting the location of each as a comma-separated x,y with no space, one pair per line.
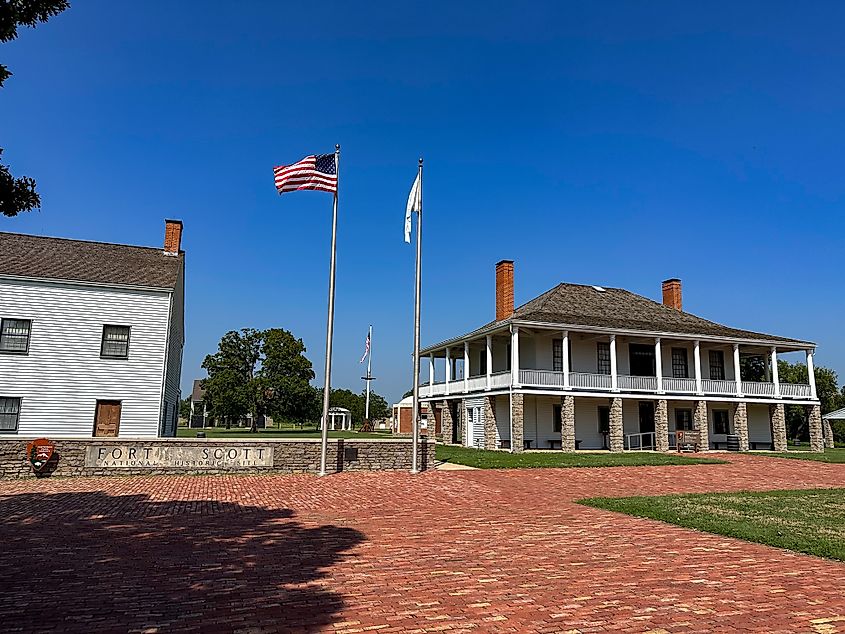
697,356
466,366
614,379
658,363
489,359
566,360
775,375
811,374
515,356
448,369
431,374
737,372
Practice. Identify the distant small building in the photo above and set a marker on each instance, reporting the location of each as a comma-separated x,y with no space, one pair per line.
339,416
401,420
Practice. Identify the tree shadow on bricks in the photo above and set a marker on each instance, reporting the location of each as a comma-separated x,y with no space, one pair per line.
92,562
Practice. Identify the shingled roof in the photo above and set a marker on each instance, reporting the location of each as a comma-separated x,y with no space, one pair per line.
80,261
618,309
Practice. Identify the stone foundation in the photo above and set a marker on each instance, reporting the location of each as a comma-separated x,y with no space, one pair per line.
567,423
741,425
490,422
127,456
661,426
517,422
814,417
828,434
699,417
446,423
777,414
617,429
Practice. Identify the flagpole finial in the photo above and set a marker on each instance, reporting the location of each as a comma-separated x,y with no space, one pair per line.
420,160
336,148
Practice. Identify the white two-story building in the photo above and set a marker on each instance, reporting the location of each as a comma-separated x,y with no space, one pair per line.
91,337
587,367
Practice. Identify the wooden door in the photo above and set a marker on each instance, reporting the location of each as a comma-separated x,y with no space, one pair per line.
107,419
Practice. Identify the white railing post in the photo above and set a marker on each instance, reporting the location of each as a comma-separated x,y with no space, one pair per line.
489,342
737,371
515,356
697,356
658,364
614,379
775,374
448,370
466,366
811,374
565,358
431,372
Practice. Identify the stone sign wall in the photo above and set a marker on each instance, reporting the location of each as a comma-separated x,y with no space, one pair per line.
126,456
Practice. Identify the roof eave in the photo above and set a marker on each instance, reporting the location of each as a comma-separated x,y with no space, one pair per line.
57,280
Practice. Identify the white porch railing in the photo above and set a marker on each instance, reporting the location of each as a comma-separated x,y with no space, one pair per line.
541,378
637,383
795,390
590,381
686,386
475,383
639,442
500,379
758,388
718,386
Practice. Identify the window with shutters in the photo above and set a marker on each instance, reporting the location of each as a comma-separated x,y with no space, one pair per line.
14,335
10,409
115,344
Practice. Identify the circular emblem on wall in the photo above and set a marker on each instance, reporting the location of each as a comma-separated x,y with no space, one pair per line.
39,452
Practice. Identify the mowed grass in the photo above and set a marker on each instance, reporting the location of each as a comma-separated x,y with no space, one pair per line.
244,433
808,521
483,459
802,453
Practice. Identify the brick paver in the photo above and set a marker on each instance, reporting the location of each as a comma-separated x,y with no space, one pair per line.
461,551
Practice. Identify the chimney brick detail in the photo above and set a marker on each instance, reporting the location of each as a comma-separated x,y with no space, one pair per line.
672,294
172,236
504,289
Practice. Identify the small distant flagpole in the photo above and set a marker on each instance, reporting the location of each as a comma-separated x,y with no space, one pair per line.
330,323
416,407
369,374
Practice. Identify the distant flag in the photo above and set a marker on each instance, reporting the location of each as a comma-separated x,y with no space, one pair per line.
317,172
414,204
366,349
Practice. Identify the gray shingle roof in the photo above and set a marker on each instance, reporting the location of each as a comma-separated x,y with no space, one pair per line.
80,261
618,309
197,393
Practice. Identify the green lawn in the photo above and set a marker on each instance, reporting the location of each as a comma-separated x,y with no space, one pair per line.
802,453
504,460
810,521
243,432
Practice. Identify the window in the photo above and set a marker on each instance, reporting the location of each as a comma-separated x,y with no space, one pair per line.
642,360
683,419
720,421
680,369
604,419
557,355
14,335
482,362
556,421
717,365
10,409
603,362
115,342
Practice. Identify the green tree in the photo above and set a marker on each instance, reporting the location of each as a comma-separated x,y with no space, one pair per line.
827,389
18,194
348,399
260,373
185,408
378,406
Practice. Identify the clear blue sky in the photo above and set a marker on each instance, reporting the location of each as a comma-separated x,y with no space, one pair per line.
604,143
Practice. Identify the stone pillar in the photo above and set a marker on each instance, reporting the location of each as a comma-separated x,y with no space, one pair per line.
661,426
701,425
814,417
462,422
490,422
777,413
741,425
517,422
828,434
446,423
617,429
567,423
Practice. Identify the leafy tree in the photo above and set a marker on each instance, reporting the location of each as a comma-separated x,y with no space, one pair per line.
752,368
357,404
185,408
378,406
408,393
18,194
827,389
260,373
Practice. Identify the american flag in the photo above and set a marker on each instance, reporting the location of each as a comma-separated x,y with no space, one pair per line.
313,172
366,349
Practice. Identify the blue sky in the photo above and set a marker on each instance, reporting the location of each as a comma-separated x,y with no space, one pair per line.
604,143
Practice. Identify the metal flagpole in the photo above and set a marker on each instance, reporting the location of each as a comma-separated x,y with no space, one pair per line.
330,323
369,375
416,408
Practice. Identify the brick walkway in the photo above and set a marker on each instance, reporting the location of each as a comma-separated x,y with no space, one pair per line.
466,551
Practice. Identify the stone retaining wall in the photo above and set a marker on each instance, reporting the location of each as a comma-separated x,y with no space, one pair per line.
288,456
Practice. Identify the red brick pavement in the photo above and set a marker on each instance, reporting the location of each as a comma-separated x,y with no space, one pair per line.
461,551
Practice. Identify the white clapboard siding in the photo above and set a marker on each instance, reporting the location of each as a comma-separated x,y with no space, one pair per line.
63,376
173,372
475,421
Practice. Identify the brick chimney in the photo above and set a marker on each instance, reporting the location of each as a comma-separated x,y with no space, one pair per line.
504,289
172,236
672,293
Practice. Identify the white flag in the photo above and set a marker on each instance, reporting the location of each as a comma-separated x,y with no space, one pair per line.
414,204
